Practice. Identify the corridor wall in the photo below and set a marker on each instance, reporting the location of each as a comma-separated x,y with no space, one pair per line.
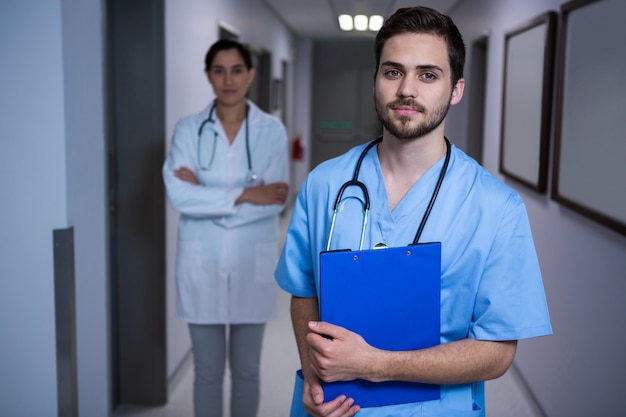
578,371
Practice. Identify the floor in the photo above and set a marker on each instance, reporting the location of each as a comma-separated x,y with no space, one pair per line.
505,396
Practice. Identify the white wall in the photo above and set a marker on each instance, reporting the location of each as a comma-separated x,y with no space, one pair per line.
578,371
32,177
85,150
52,177
301,110
190,28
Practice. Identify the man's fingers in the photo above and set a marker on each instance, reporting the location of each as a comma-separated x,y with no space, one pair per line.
326,329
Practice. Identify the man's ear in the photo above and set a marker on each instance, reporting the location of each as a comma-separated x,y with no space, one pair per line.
457,92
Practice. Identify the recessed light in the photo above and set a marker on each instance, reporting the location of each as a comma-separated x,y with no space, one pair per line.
360,22
376,22
345,22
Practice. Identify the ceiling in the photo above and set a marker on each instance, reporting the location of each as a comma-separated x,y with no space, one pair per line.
318,18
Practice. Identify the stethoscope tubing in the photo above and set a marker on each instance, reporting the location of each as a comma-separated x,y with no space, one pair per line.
354,181
366,198
251,175
444,168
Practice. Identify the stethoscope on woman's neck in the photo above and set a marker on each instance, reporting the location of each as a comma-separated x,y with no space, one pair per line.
251,175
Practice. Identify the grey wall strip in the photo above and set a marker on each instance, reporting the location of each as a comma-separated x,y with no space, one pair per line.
65,318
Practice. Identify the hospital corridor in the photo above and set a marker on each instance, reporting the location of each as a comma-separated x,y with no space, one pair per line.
505,396
99,103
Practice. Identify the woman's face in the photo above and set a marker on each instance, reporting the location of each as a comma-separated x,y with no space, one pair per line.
229,77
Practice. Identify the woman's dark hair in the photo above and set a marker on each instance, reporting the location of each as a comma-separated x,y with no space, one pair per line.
427,21
224,45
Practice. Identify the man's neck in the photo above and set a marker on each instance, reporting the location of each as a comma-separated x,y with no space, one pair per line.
404,161
418,154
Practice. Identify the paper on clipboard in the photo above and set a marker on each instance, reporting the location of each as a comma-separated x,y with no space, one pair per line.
391,297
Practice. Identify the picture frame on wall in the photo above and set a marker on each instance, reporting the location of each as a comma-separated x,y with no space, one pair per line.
527,101
589,172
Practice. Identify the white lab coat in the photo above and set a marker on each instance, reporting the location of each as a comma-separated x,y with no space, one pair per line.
226,254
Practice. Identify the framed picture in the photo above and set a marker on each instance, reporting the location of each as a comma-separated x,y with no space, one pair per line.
590,127
527,101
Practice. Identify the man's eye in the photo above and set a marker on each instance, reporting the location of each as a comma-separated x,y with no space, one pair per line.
393,73
429,76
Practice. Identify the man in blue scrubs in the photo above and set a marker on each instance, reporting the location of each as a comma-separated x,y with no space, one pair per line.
491,288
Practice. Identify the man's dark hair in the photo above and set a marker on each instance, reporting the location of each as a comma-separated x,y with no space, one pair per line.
426,21
224,45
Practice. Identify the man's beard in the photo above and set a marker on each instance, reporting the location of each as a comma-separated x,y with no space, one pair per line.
403,130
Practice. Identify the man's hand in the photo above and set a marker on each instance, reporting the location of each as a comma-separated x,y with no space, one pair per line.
274,193
313,400
303,312
338,354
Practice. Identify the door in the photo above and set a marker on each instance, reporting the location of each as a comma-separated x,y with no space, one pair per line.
476,97
136,150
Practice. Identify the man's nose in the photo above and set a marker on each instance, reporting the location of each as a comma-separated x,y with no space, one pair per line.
408,87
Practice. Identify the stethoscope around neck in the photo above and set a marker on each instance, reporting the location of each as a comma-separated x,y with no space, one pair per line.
251,175
366,198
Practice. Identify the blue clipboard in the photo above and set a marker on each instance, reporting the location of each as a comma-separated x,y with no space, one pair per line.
391,297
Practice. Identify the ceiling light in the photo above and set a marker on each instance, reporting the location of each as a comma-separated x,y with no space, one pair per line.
345,22
376,22
360,22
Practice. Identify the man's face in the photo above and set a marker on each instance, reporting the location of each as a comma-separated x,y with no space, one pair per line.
412,90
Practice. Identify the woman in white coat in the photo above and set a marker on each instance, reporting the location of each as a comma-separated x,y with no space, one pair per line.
226,174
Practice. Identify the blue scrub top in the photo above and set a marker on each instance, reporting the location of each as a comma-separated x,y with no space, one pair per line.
491,286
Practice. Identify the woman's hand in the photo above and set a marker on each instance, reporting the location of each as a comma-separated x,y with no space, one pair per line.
187,175
274,193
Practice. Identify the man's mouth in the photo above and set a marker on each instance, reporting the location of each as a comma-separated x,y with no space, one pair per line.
406,109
